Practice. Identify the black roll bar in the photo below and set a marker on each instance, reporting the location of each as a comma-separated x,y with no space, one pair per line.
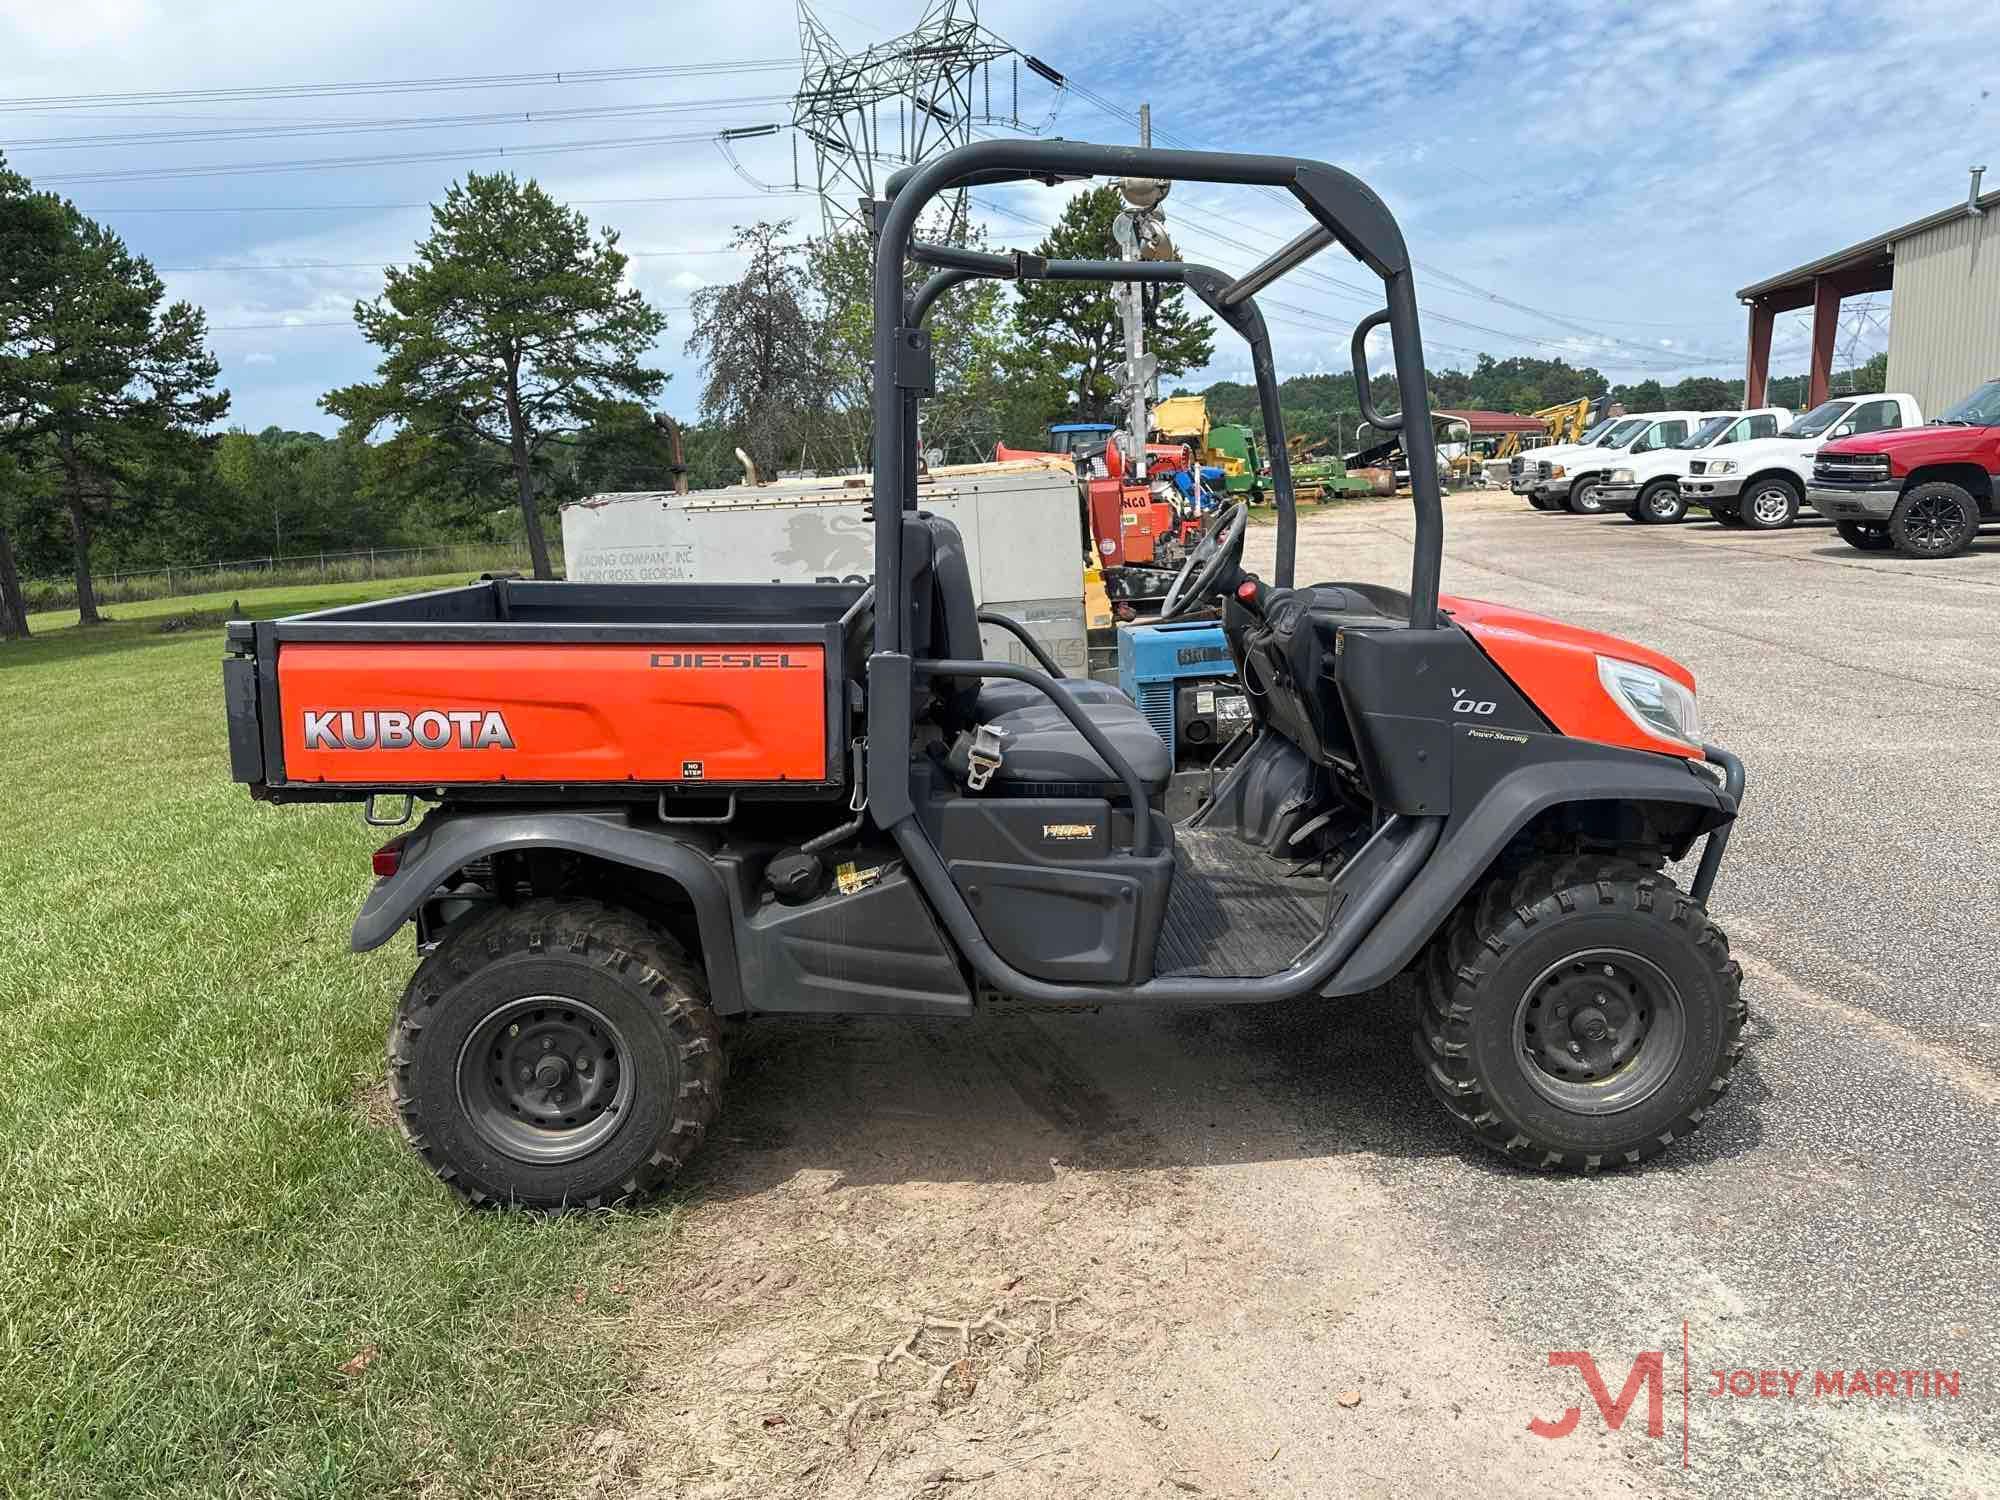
1344,207
1212,286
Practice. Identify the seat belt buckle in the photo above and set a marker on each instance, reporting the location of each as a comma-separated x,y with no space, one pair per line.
983,759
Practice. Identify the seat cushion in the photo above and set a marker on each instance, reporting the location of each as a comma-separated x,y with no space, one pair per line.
1039,745
1000,695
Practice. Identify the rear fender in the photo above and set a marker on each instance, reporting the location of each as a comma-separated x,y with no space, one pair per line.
1553,772
445,842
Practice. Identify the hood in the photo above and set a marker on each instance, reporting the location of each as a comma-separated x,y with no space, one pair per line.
1911,441
1759,449
1555,666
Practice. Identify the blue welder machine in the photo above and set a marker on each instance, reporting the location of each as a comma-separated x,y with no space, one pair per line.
1181,676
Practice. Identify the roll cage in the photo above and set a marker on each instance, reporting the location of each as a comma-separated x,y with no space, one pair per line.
1344,211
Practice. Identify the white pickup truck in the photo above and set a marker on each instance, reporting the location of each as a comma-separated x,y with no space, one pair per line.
1524,470
1573,477
1761,484
1649,488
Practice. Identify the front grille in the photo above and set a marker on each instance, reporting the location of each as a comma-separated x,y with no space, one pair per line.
1852,467
1514,466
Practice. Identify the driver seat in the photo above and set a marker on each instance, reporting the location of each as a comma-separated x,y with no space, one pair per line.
1041,752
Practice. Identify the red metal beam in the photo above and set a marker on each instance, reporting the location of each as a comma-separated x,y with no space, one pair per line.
1826,323
1758,370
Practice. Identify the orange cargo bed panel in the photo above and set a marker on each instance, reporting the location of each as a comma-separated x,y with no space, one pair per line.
421,714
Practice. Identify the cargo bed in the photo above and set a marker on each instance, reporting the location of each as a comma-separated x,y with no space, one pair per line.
523,690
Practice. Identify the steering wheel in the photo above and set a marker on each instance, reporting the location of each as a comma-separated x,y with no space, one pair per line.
1218,554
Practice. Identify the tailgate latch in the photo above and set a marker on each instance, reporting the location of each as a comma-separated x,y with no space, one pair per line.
983,759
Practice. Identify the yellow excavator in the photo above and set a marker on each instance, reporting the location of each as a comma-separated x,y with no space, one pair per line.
1566,423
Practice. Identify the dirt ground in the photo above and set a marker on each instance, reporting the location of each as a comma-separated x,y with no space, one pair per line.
1035,1256
1239,1252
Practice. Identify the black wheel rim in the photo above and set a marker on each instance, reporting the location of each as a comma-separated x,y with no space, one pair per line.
1665,504
1934,524
1600,1031
1770,506
545,1079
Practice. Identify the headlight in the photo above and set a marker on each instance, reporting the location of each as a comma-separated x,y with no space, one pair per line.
1556,472
1623,476
1722,466
1655,702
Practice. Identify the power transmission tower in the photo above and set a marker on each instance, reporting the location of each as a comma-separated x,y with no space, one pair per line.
895,103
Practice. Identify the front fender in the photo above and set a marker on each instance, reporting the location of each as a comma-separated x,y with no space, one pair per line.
445,842
1562,770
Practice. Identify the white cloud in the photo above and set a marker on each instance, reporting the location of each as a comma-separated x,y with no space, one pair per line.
1624,169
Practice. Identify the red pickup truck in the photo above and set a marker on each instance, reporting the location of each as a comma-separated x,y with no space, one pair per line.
1922,490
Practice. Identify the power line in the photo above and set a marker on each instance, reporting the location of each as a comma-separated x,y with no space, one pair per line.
384,265
364,126
336,163
140,98
1278,194
346,208
349,322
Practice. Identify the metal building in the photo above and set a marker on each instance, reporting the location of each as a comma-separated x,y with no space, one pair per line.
1943,273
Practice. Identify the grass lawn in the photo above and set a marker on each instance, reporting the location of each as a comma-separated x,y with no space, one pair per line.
216,1275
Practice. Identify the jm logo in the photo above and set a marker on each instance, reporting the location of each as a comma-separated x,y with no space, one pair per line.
1648,1374
1461,704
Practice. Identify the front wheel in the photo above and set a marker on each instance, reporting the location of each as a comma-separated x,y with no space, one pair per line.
1583,1014
1660,504
556,1055
1934,520
1869,536
1586,498
1537,501
1770,504
1731,519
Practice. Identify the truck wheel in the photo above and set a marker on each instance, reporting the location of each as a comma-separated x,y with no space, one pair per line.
1660,504
1934,520
1869,536
1538,502
556,1055
1584,1013
1729,518
1770,504
1584,498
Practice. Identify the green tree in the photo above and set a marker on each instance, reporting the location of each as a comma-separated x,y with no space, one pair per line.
758,337
1067,335
100,386
1706,393
510,329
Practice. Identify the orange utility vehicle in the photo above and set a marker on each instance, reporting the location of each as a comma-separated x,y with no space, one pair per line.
659,809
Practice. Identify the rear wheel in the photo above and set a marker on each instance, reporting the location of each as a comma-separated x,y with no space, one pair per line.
556,1055
1934,520
1770,503
1586,497
1660,503
1869,536
1582,1014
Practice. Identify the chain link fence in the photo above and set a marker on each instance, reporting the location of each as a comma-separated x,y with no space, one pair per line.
181,579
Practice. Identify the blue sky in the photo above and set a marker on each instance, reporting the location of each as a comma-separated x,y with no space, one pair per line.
1612,174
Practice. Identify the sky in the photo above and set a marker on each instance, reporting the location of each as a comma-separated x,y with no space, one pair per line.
1585,181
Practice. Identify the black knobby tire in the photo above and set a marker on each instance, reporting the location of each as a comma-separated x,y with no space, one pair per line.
1769,503
1585,498
1660,503
1558,923
1868,536
607,1003
1938,519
